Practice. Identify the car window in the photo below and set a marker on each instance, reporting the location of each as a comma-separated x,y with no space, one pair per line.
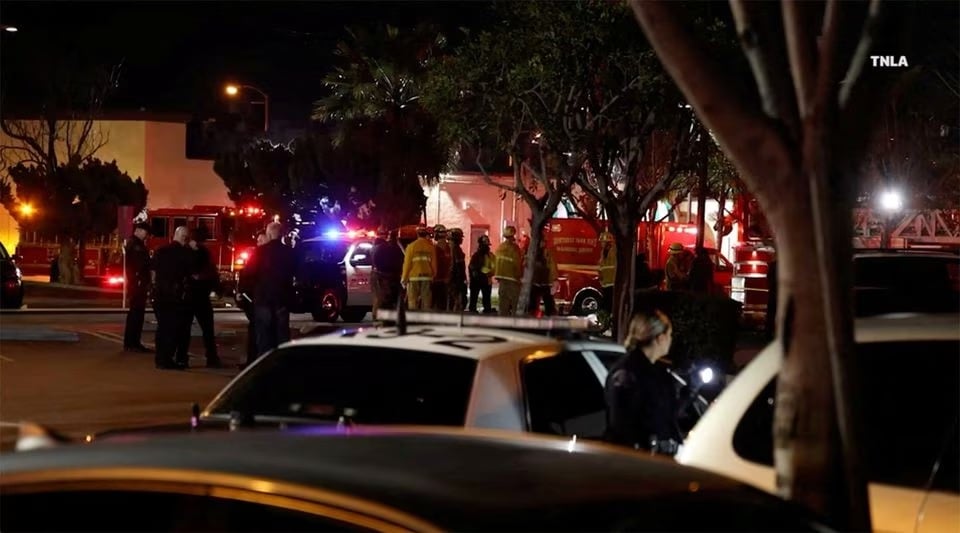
3,252
99,510
362,255
910,393
381,386
608,358
158,227
563,396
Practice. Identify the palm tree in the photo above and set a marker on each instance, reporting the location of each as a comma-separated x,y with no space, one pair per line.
373,106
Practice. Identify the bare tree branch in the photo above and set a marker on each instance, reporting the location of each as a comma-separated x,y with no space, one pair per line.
868,36
754,142
801,50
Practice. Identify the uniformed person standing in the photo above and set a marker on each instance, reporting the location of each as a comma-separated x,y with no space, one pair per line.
544,276
508,272
272,276
245,288
441,278
481,268
677,268
419,270
457,295
137,270
173,266
204,280
375,285
608,269
387,265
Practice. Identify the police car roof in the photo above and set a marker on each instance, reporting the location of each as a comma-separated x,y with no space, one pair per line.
472,343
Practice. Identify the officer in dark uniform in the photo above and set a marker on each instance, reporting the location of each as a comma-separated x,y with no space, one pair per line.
137,267
173,268
272,276
457,296
642,403
388,265
245,288
204,280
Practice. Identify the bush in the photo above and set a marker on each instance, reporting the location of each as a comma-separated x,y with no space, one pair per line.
704,327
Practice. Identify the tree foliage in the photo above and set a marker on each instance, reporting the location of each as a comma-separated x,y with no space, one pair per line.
374,110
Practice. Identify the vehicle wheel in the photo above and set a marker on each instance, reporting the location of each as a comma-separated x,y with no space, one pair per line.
328,308
354,314
586,303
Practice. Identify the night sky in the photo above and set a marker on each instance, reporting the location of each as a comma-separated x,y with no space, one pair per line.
177,55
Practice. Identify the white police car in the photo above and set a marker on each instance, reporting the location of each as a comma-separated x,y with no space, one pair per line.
428,375
333,276
909,370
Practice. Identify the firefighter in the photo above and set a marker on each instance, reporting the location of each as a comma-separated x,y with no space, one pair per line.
204,280
508,272
482,265
457,291
441,277
137,259
419,270
173,266
387,267
608,269
676,270
544,276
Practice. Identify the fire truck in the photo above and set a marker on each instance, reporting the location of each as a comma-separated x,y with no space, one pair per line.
228,231
576,249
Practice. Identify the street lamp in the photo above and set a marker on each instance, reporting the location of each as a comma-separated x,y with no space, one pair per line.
233,90
890,203
11,29
26,210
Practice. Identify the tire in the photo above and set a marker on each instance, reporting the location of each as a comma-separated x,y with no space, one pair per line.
354,314
14,301
328,307
586,303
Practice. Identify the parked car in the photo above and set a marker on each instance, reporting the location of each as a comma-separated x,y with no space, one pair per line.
333,277
901,281
908,368
403,479
429,375
11,281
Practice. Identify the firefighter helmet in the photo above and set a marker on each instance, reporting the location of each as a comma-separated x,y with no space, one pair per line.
509,232
676,248
606,236
439,231
456,235
485,240
382,231
422,231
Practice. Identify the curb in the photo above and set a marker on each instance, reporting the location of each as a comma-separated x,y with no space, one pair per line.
38,334
78,288
92,310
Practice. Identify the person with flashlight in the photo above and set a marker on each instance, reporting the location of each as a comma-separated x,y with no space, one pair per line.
642,405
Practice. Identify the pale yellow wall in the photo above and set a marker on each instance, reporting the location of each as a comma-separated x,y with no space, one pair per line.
174,180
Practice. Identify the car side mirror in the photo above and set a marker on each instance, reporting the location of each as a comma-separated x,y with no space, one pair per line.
17,258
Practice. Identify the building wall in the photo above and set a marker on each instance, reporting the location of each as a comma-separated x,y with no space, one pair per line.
462,201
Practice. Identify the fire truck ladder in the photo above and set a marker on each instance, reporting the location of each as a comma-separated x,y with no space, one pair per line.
929,227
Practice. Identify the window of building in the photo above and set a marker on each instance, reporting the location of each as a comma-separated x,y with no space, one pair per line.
563,396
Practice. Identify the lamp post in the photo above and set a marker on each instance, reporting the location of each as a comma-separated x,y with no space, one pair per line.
890,203
233,90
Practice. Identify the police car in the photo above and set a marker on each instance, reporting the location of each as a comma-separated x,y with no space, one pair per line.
333,276
477,376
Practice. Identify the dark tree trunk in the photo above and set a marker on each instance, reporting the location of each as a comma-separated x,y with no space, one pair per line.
624,229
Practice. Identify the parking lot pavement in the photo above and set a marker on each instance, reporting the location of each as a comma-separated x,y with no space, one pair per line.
92,385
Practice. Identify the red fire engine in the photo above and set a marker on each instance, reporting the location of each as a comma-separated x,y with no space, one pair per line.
229,235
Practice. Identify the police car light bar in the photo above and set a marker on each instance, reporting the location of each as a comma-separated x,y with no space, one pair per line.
502,322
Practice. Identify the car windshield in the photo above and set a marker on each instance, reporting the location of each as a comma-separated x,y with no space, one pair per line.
3,252
376,385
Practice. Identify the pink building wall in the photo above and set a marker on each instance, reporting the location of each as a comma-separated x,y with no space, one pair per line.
174,180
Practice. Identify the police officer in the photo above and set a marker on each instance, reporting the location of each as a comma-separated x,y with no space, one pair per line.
137,259
508,272
419,270
387,267
608,269
441,278
245,288
641,396
272,277
482,265
544,276
457,295
173,266
204,280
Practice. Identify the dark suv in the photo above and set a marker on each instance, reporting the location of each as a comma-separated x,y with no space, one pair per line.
906,281
11,281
